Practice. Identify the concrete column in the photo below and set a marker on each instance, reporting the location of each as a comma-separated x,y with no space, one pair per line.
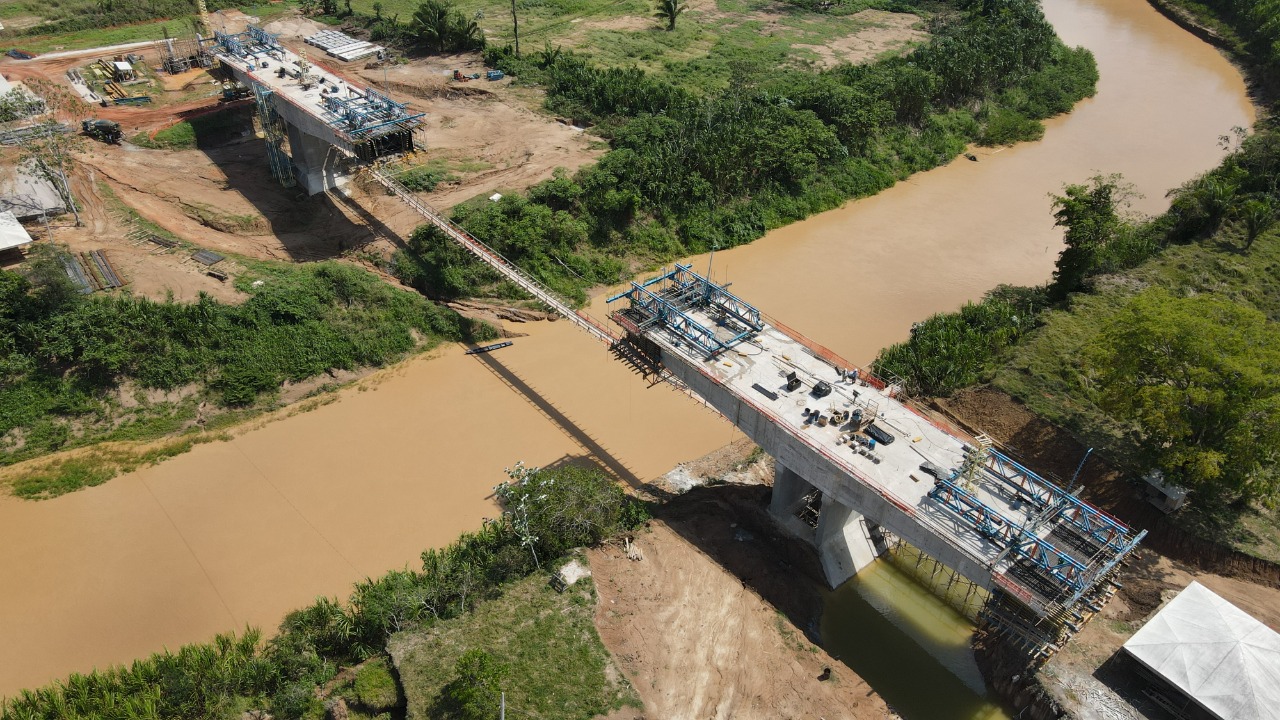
788,490
316,164
844,542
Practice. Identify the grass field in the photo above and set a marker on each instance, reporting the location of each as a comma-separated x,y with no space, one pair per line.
708,39
558,667
31,12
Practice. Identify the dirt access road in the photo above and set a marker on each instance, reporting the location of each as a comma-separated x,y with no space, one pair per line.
705,624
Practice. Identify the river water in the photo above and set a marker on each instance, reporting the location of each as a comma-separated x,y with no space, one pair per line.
243,531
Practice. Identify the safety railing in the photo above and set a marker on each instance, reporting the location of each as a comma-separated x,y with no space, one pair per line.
491,257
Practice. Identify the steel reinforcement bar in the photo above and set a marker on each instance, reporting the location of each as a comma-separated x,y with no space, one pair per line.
508,269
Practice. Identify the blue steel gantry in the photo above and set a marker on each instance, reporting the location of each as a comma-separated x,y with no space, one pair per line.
682,291
360,113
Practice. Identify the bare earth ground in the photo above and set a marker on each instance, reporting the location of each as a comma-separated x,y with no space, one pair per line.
705,625
889,32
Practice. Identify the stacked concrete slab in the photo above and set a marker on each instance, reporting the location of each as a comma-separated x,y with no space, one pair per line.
343,46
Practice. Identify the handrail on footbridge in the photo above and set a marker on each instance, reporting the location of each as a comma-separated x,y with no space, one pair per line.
508,269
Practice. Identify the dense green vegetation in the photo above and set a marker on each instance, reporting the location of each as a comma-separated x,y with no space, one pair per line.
1249,27
66,356
231,675
1161,345
688,171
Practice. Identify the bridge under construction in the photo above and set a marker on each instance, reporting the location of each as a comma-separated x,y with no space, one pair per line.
858,468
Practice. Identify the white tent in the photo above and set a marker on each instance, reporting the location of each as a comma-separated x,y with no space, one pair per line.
12,234
1215,653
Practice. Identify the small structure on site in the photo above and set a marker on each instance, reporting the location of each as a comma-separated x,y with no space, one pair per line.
1164,494
29,195
1207,658
13,237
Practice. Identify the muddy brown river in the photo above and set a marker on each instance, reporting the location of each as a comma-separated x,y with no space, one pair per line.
240,532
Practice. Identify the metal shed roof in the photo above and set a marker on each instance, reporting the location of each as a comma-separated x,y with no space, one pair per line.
1217,654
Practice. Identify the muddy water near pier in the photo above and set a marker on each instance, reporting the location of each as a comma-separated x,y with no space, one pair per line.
242,531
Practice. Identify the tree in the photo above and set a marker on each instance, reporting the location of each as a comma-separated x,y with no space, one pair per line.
554,510
475,692
443,29
377,11
669,10
49,153
1092,217
1256,213
1200,378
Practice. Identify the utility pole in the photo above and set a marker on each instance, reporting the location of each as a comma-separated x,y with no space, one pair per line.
515,26
502,709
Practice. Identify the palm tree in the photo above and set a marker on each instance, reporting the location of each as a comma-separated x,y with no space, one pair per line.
669,10
431,23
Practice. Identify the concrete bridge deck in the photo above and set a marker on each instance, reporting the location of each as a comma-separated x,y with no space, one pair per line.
841,485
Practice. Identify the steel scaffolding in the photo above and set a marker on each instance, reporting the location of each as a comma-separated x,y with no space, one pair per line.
682,290
281,163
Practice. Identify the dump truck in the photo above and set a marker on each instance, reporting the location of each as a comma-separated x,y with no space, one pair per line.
107,131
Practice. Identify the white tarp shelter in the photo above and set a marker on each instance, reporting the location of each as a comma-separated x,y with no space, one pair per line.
1214,653
12,234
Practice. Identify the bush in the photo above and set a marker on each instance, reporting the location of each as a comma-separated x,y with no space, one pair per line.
1006,127
375,686
65,352
952,350
475,693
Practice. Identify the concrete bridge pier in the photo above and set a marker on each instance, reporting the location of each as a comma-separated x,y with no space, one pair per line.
845,540
317,165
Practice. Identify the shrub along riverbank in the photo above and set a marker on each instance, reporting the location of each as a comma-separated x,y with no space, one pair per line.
77,369
547,513
691,170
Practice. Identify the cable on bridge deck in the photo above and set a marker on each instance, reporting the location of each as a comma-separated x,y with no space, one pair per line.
508,269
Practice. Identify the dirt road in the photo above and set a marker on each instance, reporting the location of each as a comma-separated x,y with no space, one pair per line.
697,640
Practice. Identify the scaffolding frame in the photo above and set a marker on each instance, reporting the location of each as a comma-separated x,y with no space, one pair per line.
280,162
361,114
681,290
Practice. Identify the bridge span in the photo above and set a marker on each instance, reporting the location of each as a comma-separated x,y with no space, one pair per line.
857,467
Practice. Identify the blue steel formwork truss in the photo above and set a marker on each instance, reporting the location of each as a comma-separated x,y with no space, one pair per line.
253,41
682,289
363,112
1045,495
230,43
1012,537
263,38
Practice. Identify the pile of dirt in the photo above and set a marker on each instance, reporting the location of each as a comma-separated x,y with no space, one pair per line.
705,623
